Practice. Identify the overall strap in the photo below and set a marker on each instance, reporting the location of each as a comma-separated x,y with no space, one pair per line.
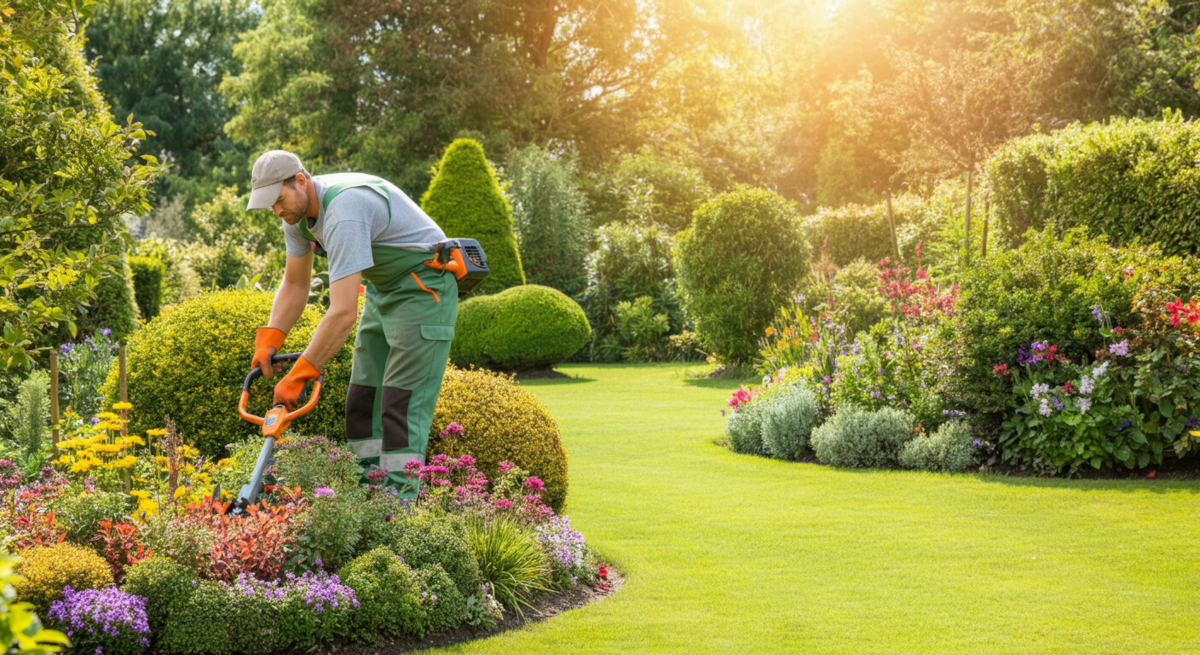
338,183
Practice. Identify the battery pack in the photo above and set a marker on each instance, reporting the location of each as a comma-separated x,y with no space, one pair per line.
464,258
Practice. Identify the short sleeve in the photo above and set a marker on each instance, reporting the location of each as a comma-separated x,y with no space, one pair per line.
293,238
348,243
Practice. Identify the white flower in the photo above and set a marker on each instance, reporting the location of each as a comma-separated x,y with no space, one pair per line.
1038,390
1044,410
1100,370
1084,404
1086,385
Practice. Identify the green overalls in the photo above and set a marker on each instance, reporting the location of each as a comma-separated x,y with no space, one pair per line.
400,351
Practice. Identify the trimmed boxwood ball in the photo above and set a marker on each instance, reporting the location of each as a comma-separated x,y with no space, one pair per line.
501,422
48,569
190,363
861,438
465,201
524,327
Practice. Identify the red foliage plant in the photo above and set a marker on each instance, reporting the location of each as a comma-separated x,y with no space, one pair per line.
35,528
914,299
255,543
120,546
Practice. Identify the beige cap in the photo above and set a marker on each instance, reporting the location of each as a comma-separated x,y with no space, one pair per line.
271,169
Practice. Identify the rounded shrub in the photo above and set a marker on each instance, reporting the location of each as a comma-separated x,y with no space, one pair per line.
743,430
524,327
48,569
861,438
217,619
165,584
743,257
388,593
465,200
445,606
949,448
856,298
787,422
425,539
501,423
190,363
148,275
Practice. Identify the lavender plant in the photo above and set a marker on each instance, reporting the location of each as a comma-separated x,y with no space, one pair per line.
107,621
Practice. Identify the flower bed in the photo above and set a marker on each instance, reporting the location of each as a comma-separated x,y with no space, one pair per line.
155,561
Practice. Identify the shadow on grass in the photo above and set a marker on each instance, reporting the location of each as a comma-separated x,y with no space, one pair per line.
1154,486
710,383
553,382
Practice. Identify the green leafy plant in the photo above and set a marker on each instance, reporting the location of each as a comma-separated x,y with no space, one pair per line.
20,627
641,330
79,510
549,216
788,417
164,583
741,260
329,531
311,462
46,570
389,596
744,428
425,539
510,559
148,274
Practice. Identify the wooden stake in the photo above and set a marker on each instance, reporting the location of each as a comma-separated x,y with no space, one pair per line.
54,400
124,388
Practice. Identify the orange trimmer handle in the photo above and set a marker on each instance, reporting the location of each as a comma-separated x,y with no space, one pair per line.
312,401
256,373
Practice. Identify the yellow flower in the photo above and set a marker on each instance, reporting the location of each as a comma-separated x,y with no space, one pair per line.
139,493
108,416
107,448
123,463
108,425
141,480
157,432
161,460
180,491
146,505
83,465
132,440
120,406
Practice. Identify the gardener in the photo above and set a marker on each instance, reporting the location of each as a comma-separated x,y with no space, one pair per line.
369,229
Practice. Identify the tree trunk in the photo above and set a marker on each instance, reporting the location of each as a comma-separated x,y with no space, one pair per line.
892,225
967,225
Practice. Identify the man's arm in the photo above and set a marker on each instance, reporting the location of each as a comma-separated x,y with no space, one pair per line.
290,298
335,326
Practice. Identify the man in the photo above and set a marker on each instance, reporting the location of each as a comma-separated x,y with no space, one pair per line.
371,230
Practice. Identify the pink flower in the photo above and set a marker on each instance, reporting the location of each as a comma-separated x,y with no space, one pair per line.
440,459
452,430
505,467
466,460
504,504
324,492
411,465
535,484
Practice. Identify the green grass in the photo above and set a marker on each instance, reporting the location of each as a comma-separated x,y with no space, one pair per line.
736,554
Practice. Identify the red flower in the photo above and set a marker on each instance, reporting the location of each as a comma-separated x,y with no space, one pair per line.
603,573
1000,370
1068,388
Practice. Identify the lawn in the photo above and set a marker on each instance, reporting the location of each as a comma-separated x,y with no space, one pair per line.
728,553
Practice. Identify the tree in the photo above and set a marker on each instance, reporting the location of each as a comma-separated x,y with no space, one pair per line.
465,200
162,62
550,218
64,182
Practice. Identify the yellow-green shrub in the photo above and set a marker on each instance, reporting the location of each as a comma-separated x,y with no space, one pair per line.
501,422
190,363
48,569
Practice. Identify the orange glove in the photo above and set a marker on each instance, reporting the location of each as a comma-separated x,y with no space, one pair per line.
287,392
267,341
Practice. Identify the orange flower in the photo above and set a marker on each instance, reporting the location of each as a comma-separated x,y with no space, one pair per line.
770,330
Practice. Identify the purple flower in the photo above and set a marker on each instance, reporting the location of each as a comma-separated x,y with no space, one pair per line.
1193,422
825,379
102,618
1057,405
1023,357
105,332
1124,424
324,492
976,442
535,483
1098,313
1120,349
66,348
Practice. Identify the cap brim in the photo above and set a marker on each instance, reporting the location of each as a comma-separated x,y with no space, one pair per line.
264,196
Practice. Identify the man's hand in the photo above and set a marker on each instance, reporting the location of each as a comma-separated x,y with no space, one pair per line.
287,392
267,341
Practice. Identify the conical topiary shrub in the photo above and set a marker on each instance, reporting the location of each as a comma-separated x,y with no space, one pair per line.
466,202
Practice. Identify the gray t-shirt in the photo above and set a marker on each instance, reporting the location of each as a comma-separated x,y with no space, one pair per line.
358,218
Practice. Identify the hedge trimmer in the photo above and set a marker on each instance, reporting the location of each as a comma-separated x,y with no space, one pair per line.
273,425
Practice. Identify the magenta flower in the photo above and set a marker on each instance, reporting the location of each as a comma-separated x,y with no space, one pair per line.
452,430
324,492
535,484
505,467
504,504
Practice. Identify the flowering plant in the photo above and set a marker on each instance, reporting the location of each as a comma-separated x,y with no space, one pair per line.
570,559
106,621
85,365
891,367
812,345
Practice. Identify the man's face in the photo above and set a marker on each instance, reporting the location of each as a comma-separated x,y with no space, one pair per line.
292,204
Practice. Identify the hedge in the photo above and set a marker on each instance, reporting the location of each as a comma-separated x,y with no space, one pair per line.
1131,179
148,275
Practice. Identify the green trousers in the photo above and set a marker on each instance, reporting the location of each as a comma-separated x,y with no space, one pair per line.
400,356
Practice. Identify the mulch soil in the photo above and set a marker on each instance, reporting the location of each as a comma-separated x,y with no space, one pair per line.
545,607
